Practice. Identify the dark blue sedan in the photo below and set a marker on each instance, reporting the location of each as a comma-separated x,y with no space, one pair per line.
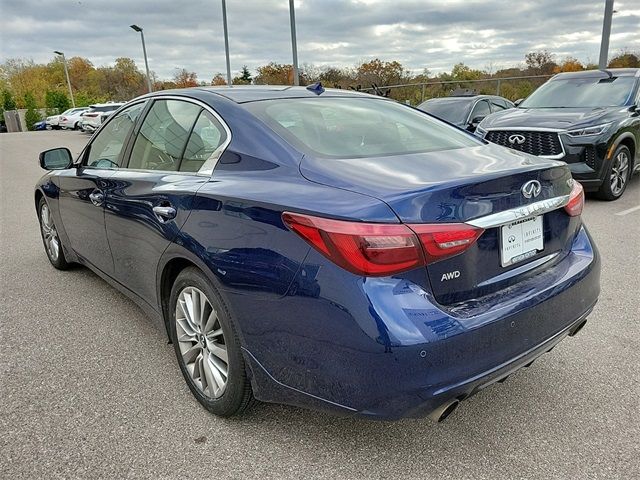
324,248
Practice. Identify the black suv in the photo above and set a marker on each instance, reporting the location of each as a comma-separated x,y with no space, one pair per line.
589,119
465,111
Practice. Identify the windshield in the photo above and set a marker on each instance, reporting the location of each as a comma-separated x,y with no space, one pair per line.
581,93
453,110
350,127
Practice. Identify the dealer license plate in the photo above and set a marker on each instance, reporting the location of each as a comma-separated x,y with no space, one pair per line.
520,240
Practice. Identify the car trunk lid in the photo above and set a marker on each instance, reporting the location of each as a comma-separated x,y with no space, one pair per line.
467,185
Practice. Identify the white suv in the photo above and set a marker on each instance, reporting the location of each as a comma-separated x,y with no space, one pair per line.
92,118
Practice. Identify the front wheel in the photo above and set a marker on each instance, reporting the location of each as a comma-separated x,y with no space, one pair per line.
617,175
207,346
50,237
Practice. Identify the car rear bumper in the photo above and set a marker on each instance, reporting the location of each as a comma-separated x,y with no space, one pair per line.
399,354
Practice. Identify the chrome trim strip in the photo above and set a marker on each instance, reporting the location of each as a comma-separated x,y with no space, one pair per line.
519,213
532,129
526,129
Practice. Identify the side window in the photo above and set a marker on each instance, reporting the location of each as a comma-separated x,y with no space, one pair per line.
163,135
481,109
207,135
106,149
498,105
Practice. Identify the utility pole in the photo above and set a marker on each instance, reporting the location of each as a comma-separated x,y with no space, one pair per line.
294,45
606,33
66,74
226,40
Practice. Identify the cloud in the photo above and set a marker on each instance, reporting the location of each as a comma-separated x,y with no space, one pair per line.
418,33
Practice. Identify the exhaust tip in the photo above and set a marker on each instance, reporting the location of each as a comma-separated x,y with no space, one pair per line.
449,410
577,328
443,411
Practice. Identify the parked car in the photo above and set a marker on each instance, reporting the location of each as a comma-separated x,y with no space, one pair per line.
324,248
41,125
72,119
92,118
53,121
590,119
465,111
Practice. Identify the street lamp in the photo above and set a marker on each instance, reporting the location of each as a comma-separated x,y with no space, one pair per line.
66,74
144,51
294,44
606,33
226,40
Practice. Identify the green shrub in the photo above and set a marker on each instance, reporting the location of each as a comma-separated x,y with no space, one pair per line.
31,116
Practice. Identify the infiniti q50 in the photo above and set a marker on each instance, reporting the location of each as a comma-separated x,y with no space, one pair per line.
324,248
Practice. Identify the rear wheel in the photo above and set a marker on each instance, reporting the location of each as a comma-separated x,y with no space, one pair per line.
617,175
207,345
50,237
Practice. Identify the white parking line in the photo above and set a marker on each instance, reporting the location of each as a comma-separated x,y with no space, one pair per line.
628,210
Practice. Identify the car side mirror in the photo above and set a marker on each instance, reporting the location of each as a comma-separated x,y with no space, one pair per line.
518,101
56,159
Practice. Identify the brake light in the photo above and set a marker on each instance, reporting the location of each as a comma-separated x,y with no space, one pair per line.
445,240
376,249
576,200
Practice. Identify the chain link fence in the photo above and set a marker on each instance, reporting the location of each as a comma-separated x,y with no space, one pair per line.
512,88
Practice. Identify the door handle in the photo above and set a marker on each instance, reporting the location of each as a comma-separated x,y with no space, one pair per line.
96,197
165,213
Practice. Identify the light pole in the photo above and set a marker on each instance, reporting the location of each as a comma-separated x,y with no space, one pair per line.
226,40
144,51
294,45
66,74
606,33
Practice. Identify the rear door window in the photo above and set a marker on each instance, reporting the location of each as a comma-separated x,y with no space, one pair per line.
204,143
163,135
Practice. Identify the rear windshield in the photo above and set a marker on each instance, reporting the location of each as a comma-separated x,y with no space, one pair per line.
454,110
581,93
347,127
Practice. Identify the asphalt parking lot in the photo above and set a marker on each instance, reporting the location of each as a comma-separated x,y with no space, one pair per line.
91,389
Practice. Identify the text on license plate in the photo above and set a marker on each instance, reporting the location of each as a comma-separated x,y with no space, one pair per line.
520,240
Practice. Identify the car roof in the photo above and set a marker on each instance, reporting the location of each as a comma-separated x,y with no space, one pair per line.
616,72
109,104
465,97
254,93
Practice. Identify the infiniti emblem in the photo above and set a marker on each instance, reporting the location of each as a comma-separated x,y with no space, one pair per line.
516,139
530,189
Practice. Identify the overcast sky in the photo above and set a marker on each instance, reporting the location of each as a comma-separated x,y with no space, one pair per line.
418,33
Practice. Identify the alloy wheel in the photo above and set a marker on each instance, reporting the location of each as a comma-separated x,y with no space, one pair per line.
619,173
49,233
201,341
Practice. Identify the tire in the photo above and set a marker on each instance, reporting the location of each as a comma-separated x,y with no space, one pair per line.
76,126
617,175
206,341
50,238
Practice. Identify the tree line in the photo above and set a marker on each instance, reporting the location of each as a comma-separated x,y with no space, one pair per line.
25,84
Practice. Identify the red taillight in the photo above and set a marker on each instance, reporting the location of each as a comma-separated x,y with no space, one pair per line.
445,240
376,249
576,200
